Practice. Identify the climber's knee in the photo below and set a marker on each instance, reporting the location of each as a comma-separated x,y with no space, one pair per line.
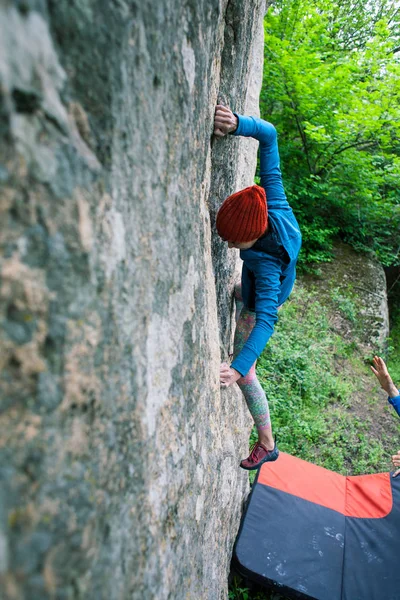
237,292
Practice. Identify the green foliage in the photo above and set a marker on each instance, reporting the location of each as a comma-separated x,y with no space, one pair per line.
345,303
394,343
237,591
332,87
317,240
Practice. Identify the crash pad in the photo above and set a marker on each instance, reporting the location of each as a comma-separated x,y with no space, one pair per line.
314,534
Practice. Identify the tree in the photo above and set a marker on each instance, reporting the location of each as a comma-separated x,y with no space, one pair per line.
332,87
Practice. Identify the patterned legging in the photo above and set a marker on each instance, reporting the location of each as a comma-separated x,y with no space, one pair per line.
254,394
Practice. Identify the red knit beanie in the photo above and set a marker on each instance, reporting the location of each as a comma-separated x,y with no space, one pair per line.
243,217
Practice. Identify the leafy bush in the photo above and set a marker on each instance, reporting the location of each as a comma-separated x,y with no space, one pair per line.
345,304
331,87
394,343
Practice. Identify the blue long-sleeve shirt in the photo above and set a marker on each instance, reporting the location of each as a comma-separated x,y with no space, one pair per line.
395,402
267,278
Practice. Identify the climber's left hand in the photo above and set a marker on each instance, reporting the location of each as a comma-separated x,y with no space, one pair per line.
224,121
227,375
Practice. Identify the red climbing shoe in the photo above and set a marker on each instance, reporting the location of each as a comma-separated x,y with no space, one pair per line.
259,455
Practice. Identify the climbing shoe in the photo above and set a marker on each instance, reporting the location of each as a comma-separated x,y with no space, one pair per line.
259,455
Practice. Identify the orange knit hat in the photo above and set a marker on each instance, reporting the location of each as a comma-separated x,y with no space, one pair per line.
243,216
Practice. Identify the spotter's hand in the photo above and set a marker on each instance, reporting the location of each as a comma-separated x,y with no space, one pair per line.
382,374
227,375
396,463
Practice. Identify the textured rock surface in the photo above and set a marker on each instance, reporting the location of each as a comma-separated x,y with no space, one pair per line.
362,279
119,453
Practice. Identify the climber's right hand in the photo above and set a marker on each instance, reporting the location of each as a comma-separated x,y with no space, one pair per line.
227,375
224,121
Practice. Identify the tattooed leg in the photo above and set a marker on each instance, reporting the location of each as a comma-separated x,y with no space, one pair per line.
255,396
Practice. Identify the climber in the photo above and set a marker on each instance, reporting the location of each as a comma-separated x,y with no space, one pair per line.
260,223
382,374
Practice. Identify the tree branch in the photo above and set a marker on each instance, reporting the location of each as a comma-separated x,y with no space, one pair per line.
341,149
299,128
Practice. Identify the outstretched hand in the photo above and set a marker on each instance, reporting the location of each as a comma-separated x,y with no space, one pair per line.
382,374
227,375
396,463
224,121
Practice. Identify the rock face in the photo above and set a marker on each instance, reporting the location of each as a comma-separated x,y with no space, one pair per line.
119,453
356,283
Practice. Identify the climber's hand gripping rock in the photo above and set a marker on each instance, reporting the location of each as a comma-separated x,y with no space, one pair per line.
227,375
224,121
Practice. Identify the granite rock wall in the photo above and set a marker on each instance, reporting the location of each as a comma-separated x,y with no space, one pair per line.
118,451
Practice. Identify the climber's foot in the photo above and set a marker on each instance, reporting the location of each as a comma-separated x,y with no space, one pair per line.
259,455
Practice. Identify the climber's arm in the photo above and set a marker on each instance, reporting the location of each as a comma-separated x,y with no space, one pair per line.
227,122
267,272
